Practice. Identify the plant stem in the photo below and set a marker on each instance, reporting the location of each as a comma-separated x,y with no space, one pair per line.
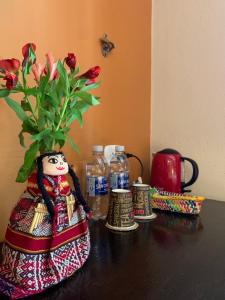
53,144
31,107
37,103
63,112
26,97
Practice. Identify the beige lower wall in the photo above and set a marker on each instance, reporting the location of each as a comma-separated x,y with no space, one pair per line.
76,26
188,86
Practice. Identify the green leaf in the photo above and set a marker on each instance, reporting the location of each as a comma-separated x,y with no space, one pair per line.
25,106
90,87
63,74
17,89
26,69
21,137
59,135
41,122
61,69
29,162
65,130
81,106
77,70
60,142
32,55
47,116
46,144
41,135
88,98
95,101
76,114
43,85
57,118
31,91
43,82
72,103
81,82
72,81
50,99
60,138
4,93
60,89
29,62
74,146
29,126
17,108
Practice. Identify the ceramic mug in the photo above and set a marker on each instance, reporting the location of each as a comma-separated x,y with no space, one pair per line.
121,213
142,202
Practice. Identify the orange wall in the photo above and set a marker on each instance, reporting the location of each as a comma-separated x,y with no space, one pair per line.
76,26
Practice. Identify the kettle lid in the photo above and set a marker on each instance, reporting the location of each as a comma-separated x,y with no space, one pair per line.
168,151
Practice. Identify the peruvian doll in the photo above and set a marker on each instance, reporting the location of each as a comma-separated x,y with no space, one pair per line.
47,238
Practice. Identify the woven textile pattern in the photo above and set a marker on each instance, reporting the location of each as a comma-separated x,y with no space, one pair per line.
35,261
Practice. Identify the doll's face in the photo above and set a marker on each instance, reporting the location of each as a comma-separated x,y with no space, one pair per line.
55,165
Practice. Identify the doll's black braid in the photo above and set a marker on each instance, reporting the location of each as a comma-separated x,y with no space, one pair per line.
78,193
40,177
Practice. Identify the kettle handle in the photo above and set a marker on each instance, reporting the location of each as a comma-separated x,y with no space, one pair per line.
194,174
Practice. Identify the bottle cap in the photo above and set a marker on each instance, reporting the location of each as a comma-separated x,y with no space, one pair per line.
97,148
120,148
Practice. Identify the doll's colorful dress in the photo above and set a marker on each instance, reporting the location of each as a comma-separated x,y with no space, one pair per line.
39,251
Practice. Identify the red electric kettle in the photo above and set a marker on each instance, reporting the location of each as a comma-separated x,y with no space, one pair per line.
168,169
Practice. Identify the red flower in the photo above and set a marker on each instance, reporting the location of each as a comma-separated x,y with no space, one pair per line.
11,80
9,65
91,81
92,73
25,52
38,70
52,67
71,61
25,49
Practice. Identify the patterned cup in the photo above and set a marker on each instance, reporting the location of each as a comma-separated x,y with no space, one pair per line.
121,214
142,202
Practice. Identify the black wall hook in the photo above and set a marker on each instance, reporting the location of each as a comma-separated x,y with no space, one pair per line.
106,45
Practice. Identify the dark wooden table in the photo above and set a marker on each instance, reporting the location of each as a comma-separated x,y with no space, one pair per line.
174,257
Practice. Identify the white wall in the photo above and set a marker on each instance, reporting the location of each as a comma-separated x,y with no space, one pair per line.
188,86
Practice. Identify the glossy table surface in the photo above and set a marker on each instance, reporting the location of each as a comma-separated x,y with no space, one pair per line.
173,257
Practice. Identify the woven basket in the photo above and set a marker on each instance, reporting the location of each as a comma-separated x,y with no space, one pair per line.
180,203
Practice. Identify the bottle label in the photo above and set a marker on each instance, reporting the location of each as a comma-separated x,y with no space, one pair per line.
119,180
126,178
97,186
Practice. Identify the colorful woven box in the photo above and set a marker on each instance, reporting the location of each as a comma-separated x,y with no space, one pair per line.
180,203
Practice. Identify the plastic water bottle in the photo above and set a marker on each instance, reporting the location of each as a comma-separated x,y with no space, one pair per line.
119,169
97,184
